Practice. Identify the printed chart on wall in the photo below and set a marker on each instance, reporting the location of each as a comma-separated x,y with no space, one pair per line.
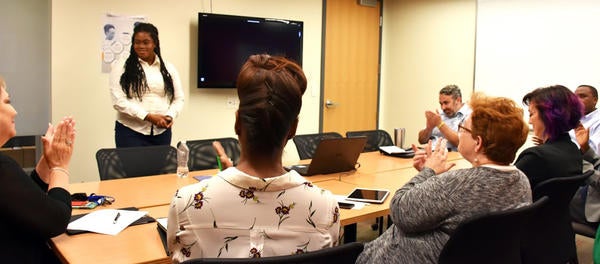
116,38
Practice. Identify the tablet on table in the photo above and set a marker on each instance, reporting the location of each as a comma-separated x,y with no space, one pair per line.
368,195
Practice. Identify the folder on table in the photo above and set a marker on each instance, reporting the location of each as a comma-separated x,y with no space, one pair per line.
161,227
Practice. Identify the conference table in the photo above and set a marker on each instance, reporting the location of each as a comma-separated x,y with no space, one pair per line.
142,243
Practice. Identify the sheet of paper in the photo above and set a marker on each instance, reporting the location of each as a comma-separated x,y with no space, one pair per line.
105,221
162,221
357,205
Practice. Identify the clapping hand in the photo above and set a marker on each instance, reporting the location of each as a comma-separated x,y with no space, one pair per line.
435,159
420,156
582,135
58,143
225,160
433,119
537,141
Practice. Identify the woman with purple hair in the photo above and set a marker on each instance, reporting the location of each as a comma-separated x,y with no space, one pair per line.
553,111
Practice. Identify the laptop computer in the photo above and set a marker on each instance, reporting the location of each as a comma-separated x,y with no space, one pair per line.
333,155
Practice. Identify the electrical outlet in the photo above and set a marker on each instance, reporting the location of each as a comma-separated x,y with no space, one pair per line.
231,102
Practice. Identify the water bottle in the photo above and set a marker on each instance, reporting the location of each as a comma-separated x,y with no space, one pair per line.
182,159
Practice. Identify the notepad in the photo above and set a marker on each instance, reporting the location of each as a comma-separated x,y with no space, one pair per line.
105,221
202,177
397,152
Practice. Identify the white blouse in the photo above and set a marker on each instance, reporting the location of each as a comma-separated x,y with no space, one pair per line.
235,215
132,111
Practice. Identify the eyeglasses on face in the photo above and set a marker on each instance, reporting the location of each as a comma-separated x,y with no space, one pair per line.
461,127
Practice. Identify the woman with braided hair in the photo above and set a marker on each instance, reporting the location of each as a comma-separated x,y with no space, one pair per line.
146,92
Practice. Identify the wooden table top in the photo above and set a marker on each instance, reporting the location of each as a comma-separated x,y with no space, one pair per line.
142,244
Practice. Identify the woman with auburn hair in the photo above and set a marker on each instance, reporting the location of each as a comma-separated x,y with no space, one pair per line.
256,209
553,111
427,209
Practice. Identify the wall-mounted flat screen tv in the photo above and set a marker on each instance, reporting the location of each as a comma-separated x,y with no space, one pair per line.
226,41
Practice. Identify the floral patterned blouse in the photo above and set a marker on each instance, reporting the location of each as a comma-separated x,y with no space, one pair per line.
235,215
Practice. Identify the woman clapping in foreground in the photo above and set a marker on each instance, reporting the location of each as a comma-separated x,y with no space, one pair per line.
427,210
37,207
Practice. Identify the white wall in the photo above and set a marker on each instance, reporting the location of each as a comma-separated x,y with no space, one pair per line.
80,89
426,45
526,44
25,62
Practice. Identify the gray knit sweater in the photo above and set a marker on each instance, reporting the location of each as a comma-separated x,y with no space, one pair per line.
427,209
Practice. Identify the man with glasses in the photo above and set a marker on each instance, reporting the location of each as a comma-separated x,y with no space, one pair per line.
445,124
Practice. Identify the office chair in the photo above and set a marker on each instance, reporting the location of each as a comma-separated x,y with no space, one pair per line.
375,138
117,163
203,156
549,236
583,229
307,144
490,238
342,254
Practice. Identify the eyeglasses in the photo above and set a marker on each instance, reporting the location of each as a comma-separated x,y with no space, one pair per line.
464,129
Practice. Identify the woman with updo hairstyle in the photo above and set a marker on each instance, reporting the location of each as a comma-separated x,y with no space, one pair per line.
426,210
257,208
553,111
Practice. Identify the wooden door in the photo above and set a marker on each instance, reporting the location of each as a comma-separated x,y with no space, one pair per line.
352,42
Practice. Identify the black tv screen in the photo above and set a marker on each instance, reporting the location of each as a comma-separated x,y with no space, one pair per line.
226,41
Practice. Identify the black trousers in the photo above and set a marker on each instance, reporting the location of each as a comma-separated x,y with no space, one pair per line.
126,137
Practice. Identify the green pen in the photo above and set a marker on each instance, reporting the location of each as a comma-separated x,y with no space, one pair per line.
219,163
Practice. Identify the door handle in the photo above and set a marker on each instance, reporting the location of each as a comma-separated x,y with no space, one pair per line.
330,104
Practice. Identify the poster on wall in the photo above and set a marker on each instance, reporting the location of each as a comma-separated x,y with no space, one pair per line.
116,38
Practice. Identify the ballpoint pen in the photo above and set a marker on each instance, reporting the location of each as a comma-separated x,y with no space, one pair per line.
219,163
116,217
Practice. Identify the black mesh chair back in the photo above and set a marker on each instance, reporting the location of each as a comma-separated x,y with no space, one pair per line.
375,138
117,163
203,156
307,144
550,237
343,254
490,238
584,230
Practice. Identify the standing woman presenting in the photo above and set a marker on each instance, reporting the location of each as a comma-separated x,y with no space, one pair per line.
146,92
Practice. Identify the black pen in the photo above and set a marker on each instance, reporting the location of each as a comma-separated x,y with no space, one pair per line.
116,217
